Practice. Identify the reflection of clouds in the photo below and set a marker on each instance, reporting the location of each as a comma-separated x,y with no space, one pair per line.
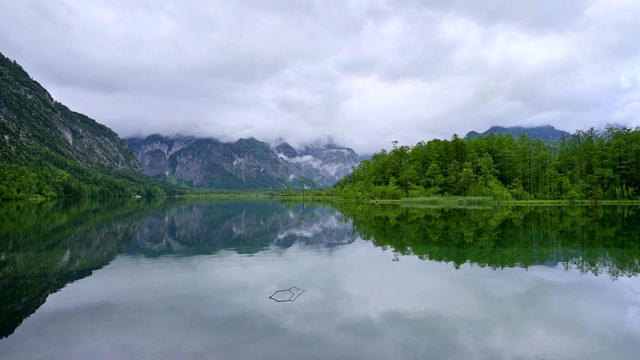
323,222
322,226
358,304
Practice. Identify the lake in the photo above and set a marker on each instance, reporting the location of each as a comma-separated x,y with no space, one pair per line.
173,279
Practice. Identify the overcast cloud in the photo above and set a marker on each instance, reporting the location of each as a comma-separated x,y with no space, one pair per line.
360,72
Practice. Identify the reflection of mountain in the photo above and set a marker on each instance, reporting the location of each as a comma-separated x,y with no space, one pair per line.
596,240
43,247
246,227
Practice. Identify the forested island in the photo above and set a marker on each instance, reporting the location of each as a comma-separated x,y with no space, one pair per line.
588,165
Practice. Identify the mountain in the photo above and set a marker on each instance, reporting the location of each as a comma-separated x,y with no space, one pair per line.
30,118
545,133
47,150
244,164
325,164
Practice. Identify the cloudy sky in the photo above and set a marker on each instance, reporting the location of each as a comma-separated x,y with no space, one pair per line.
360,72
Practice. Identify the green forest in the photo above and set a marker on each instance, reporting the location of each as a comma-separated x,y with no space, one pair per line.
588,165
49,175
53,176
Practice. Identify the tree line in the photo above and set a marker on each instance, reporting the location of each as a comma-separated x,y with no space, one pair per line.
49,175
588,165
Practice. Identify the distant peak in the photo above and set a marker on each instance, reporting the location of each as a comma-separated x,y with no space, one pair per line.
545,133
247,140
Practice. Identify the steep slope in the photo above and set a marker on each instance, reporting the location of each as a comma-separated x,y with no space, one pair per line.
31,120
47,150
545,133
244,164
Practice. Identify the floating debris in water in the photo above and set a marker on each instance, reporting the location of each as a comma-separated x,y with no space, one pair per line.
287,295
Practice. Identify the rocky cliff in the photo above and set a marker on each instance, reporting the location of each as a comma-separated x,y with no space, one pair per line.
244,164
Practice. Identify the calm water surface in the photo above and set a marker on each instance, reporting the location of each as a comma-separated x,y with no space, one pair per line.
178,280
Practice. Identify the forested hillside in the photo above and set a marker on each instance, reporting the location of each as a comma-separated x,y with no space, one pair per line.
587,165
47,150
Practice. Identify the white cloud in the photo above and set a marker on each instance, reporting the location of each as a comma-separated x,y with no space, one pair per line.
363,73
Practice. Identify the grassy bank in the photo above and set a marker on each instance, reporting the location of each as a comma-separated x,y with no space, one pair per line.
476,200
433,200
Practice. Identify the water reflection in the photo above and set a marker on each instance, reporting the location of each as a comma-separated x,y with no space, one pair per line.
245,227
44,246
598,240
192,280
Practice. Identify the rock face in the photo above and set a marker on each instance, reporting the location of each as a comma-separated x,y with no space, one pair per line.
244,164
32,122
323,164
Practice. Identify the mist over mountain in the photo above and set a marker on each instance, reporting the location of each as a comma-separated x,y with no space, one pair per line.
545,133
245,164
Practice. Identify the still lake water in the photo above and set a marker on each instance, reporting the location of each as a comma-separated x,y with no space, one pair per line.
197,280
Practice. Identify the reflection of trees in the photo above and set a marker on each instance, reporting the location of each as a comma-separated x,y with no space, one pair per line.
44,246
593,240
